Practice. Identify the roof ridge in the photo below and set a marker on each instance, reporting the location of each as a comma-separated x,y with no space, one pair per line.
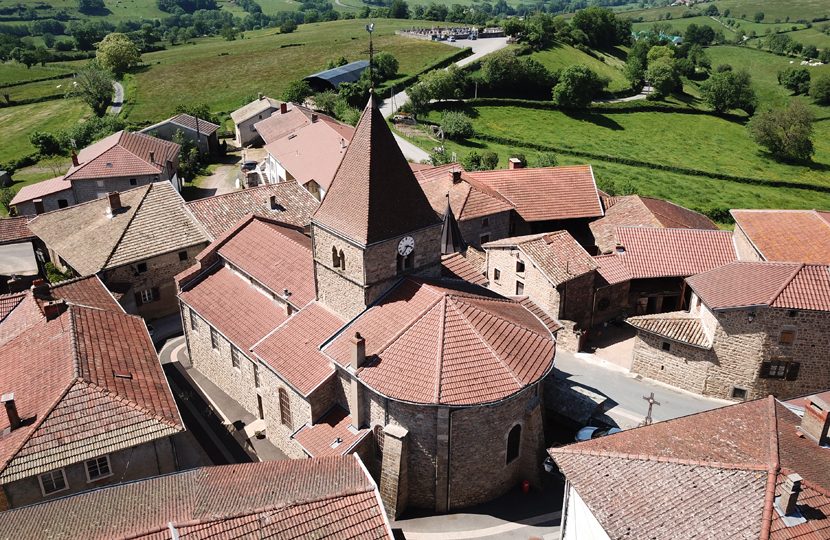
68,176
773,468
412,323
127,225
786,284
572,450
440,354
499,317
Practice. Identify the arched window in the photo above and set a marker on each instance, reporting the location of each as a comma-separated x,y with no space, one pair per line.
379,435
285,408
335,258
342,260
514,439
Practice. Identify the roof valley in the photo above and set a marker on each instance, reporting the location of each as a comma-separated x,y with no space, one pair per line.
439,364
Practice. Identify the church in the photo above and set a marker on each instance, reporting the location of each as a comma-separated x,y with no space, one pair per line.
343,337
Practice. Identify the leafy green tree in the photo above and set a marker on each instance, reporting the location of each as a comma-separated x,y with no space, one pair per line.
456,125
506,73
546,159
795,79
636,63
117,53
785,132
698,35
727,90
288,26
398,9
229,32
578,86
662,71
513,27
443,84
6,196
824,56
539,31
325,101
489,160
90,6
810,52
820,89
386,66
93,84
472,161
759,16
297,91
189,163
601,27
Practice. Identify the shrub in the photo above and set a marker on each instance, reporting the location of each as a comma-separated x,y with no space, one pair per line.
795,79
288,26
820,89
577,87
6,196
297,91
54,275
456,125
786,133
546,159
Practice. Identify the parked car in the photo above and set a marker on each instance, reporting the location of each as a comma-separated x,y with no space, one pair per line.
592,432
452,39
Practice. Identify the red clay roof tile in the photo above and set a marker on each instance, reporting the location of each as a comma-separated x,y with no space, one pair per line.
787,235
331,435
13,230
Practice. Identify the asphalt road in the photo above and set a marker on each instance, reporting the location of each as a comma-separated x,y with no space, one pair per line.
117,99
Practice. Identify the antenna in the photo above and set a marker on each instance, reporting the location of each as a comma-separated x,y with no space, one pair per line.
371,28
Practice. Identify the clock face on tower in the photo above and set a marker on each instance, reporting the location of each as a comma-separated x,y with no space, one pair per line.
406,245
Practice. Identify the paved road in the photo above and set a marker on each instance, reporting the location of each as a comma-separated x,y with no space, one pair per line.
117,99
410,151
644,93
627,391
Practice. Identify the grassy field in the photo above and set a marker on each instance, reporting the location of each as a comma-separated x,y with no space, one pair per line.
12,72
679,26
745,9
225,74
562,56
17,123
35,90
812,36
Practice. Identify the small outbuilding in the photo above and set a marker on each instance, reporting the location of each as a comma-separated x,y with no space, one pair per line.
331,79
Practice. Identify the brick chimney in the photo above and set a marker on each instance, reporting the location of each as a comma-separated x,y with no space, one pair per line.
789,494
153,158
11,410
358,358
455,175
515,163
313,117
40,288
273,202
75,161
39,208
53,309
113,203
283,108
816,419
286,294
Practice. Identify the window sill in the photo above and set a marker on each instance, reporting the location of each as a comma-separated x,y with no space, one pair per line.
98,478
54,492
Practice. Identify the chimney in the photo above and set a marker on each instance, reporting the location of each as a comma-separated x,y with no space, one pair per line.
153,158
53,309
39,209
114,203
40,288
358,351
816,419
456,176
283,108
313,117
789,494
286,294
11,410
514,163
75,161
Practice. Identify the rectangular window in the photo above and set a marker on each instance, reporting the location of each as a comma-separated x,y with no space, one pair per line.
484,238
52,482
98,468
214,339
146,296
194,321
496,274
182,255
63,203
141,268
235,357
520,267
520,288
256,375
738,393
666,346
787,337
779,368
485,222
133,181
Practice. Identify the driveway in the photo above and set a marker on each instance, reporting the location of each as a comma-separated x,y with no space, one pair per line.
117,98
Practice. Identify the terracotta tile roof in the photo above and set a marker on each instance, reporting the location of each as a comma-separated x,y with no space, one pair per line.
321,439
330,497
84,291
612,269
652,253
292,349
557,255
447,343
551,323
636,211
676,326
787,235
236,309
313,152
260,247
189,122
279,125
153,221
782,285
456,266
41,189
724,465
550,193
469,198
254,108
219,213
123,154
91,384
13,230
374,195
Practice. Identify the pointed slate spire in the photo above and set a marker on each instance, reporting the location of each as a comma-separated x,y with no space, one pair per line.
374,195
451,239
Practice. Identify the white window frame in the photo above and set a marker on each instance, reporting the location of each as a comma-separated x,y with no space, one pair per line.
214,339
146,296
235,358
106,458
50,473
194,321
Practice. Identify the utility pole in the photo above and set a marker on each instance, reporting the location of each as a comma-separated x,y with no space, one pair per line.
371,28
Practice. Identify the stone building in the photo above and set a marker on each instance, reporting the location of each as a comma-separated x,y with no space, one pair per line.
119,162
89,406
782,235
246,116
752,329
356,345
136,241
203,134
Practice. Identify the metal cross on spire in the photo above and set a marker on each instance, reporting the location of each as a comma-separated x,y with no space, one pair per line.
651,403
371,28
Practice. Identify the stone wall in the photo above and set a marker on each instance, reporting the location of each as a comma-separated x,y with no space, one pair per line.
142,461
611,302
744,248
245,132
50,202
89,190
536,286
568,338
496,227
576,297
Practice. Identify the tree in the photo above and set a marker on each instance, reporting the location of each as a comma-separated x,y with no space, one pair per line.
810,52
700,35
820,89
513,27
443,84
786,132
90,6
824,56
297,91
398,9
288,26
456,125
189,164
489,160
759,16
546,159
49,40
506,73
727,90
117,53
712,11
577,87
93,84
386,66
795,79
601,27
229,32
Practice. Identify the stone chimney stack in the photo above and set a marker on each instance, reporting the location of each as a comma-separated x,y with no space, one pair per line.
515,163
53,309
816,419
11,410
114,203
314,117
358,358
358,347
789,494
153,158
283,108
40,288
456,176
75,161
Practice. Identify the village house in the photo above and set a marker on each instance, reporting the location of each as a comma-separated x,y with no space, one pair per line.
18,263
551,269
751,471
286,202
352,343
200,132
122,161
246,116
309,155
85,400
325,498
782,235
636,211
136,241
752,329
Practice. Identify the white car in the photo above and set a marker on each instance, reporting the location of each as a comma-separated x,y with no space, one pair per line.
591,432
